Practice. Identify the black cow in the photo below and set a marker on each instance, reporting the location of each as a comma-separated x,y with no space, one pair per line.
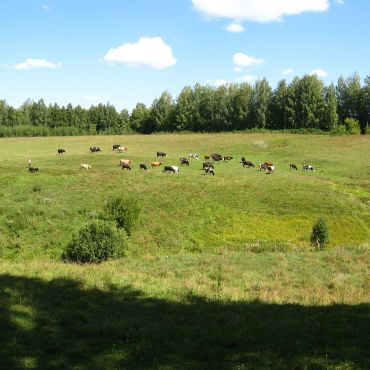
216,157
228,158
61,151
161,154
33,169
116,146
207,164
173,169
210,170
293,167
95,149
247,163
143,166
184,161
125,166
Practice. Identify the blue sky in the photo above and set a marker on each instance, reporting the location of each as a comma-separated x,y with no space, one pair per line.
130,51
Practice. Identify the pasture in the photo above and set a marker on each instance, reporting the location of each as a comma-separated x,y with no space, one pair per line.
218,272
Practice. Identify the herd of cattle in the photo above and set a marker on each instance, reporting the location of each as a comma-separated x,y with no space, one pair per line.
207,167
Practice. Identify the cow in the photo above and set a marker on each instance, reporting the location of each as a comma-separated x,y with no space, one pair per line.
126,166
194,156
126,161
265,165
293,166
216,157
122,149
270,169
173,169
161,154
95,149
33,169
308,167
61,151
116,146
143,166
247,163
228,158
207,164
184,161
209,169
85,166
155,164
207,157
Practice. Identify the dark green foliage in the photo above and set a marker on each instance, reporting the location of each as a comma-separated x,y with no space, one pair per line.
124,211
320,234
97,241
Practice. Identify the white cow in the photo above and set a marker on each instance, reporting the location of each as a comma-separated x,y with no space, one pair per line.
85,166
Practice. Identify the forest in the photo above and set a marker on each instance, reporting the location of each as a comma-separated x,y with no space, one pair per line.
305,104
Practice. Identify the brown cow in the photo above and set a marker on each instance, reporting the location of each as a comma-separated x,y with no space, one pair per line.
155,164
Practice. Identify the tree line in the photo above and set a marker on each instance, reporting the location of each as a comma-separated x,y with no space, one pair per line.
303,104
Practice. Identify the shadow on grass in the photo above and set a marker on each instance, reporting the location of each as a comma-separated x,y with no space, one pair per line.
58,325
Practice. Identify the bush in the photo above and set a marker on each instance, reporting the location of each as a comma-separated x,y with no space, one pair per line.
97,241
352,126
320,234
124,211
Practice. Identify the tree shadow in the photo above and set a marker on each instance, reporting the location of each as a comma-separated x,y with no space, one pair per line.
59,325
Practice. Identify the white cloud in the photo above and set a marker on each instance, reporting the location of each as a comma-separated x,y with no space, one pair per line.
243,60
220,82
319,73
151,51
258,10
234,27
46,7
31,63
287,71
247,78
238,69
341,2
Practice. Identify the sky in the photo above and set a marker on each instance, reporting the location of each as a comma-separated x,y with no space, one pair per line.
124,52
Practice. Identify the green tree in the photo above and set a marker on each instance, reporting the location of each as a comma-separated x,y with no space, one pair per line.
262,95
330,118
139,116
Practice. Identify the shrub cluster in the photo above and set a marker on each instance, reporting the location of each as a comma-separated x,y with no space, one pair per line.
105,238
320,234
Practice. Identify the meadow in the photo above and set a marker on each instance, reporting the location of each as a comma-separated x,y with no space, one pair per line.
218,272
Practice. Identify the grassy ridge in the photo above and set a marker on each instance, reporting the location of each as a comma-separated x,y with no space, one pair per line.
190,212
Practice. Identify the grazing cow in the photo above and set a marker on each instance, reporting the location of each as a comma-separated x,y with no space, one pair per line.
308,167
216,157
95,149
33,169
173,169
85,166
247,163
194,156
155,164
228,158
293,166
122,149
126,166
270,169
161,154
265,165
209,169
143,167
116,146
184,161
122,161
61,151
207,157
207,164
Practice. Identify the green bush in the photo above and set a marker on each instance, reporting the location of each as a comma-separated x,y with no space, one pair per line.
320,234
97,241
124,211
352,126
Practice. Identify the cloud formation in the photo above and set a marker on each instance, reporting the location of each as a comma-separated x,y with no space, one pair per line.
287,71
31,63
319,73
258,10
243,60
234,27
150,51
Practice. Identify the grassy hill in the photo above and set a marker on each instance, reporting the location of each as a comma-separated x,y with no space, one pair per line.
218,272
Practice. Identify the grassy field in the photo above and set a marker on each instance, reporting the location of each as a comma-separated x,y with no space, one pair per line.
218,272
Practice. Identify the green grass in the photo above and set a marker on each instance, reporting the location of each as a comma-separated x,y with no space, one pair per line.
218,273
